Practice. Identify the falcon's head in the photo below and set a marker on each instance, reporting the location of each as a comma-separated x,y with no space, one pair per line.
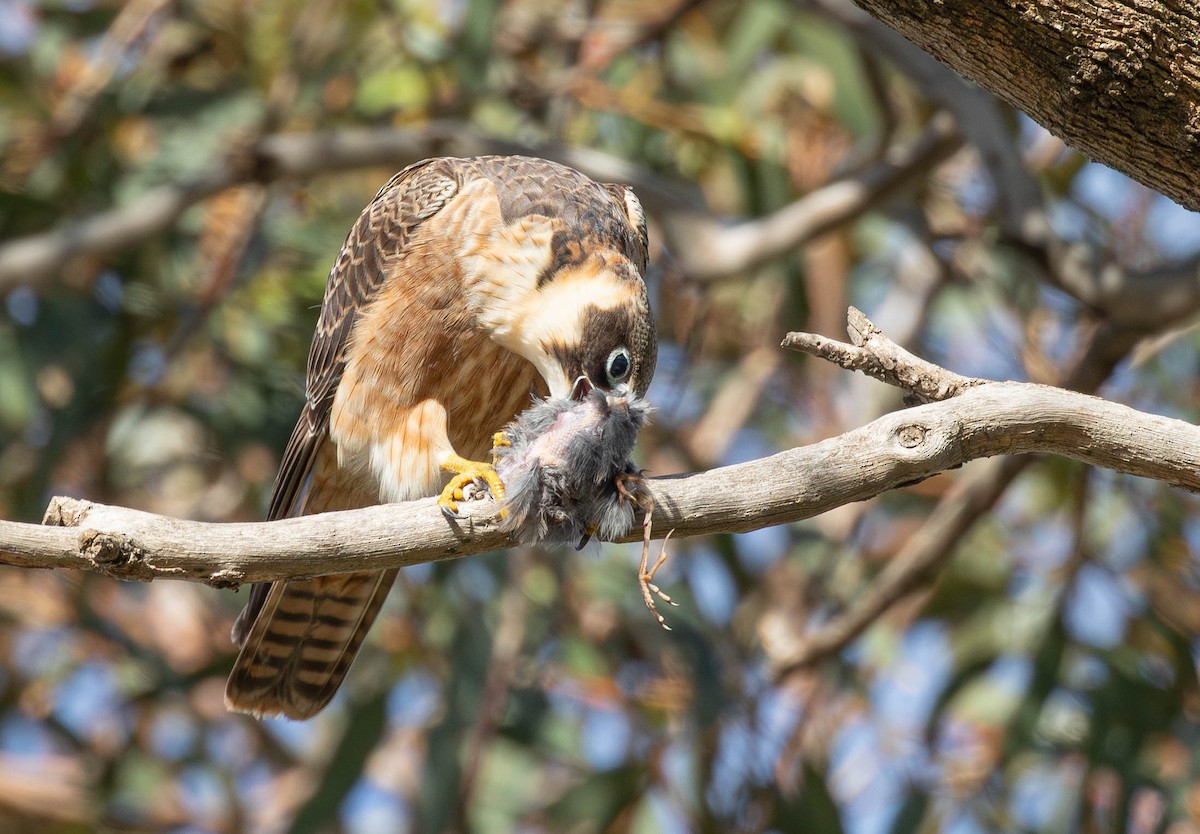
564,283
593,329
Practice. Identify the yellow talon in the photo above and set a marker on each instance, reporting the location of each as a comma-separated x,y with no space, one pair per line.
465,472
499,439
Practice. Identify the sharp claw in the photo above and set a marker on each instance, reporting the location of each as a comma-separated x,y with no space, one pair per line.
448,504
467,472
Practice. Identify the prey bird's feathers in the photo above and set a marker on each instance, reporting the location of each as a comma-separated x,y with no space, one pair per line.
443,313
561,467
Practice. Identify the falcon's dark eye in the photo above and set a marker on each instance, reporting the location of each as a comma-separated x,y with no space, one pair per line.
617,367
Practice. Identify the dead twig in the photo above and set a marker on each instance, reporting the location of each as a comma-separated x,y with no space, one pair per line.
875,355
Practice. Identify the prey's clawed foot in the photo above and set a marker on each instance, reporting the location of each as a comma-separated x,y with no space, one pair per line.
636,494
467,472
646,573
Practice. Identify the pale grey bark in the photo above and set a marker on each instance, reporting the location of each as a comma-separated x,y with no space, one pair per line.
979,419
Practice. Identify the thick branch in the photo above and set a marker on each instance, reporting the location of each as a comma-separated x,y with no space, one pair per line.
899,448
1119,81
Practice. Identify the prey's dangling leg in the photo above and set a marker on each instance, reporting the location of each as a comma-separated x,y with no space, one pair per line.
645,502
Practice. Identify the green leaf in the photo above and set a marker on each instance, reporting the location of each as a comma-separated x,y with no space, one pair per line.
401,88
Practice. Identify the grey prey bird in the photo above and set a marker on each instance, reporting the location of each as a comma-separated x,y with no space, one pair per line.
567,474
565,464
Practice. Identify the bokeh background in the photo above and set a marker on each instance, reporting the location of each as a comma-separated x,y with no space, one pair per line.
175,181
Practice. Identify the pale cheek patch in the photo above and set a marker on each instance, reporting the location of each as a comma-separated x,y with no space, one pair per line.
554,315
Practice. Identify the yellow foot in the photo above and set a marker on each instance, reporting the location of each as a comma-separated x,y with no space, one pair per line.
467,472
499,439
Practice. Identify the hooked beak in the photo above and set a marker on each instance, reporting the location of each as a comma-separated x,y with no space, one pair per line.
581,388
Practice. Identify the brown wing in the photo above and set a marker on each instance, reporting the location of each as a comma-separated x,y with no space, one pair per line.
412,196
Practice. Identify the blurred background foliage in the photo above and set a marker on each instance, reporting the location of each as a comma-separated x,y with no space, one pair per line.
1041,676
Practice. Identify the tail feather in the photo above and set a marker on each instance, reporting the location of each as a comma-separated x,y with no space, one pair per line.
302,643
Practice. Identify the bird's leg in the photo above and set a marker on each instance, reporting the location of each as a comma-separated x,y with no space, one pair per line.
646,581
645,572
499,441
466,472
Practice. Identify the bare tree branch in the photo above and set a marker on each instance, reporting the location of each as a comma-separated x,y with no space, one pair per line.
714,250
935,542
709,249
875,355
983,420
1149,300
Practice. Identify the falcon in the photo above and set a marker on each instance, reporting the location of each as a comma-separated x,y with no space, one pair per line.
465,287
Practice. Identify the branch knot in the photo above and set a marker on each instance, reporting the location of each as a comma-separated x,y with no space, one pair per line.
911,436
115,554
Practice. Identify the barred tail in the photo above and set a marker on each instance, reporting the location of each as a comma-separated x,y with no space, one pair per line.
302,642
